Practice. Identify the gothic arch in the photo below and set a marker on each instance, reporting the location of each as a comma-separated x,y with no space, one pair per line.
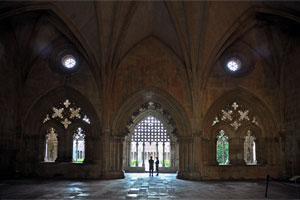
32,144
169,137
156,95
263,126
39,108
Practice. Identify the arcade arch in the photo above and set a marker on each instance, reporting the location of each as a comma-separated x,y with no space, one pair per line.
151,132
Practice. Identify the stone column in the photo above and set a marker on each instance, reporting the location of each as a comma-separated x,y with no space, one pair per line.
128,153
163,154
137,154
156,150
143,154
106,151
173,154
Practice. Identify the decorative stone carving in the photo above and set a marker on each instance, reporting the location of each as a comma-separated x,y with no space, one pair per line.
235,114
68,111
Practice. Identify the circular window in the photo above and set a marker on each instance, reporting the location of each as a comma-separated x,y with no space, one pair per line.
234,64
68,61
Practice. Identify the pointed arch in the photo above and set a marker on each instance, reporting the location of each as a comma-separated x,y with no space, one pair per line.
34,118
151,94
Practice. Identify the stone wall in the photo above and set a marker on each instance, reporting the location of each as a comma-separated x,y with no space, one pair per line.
291,134
167,53
9,98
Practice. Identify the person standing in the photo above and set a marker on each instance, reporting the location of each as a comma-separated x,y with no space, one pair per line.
156,166
151,162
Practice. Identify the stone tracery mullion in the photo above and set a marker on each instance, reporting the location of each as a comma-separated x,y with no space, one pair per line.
235,115
66,113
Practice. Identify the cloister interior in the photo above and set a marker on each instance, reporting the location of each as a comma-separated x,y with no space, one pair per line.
93,89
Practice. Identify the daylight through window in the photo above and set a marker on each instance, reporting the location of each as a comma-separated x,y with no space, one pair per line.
150,138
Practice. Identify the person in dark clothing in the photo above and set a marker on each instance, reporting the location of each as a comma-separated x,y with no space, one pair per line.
156,165
151,162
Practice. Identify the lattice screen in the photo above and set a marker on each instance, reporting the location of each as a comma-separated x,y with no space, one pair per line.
150,130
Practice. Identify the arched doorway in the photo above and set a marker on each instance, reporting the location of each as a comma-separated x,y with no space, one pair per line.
151,133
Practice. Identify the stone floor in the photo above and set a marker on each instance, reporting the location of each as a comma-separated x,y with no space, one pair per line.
141,186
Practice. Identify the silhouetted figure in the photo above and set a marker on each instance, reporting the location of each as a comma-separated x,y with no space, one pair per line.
151,162
156,165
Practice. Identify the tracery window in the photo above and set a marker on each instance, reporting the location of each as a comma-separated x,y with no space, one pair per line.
150,138
222,148
78,146
51,143
66,113
235,115
250,148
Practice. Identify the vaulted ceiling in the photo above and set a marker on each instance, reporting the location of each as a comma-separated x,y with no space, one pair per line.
106,32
